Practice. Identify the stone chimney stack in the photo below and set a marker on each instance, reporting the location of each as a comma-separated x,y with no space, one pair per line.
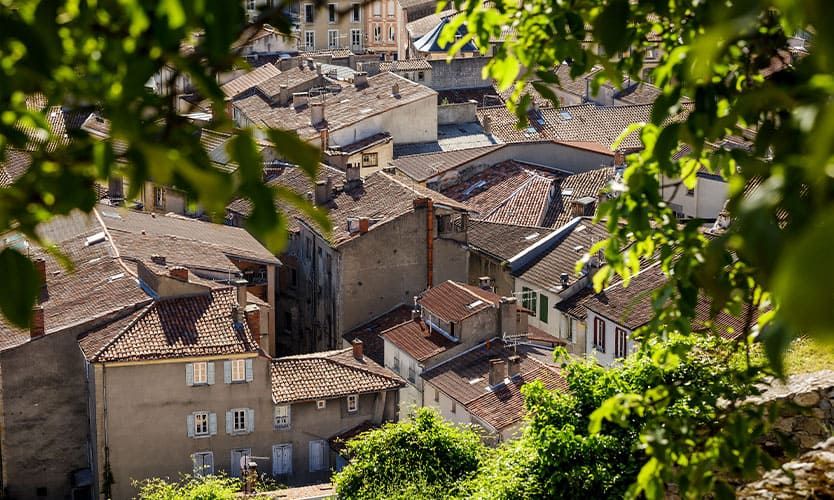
178,273
395,89
311,64
358,349
40,267
360,79
324,190
241,286
283,95
317,113
508,307
352,177
497,371
253,320
299,100
36,326
513,366
487,125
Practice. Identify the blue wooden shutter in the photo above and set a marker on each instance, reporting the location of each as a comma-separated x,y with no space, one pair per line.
227,372
212,423
210,372
249,372
189,374
189,421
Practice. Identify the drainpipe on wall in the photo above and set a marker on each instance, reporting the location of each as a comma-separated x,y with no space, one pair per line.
429,243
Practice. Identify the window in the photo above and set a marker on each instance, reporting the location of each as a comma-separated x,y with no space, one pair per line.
353,402
331,13
436,396
199,373
158,197
392,33
391,4
396,364
240,420
293,277
203,463
570,329
454,406
370,160
543,308
321,404
356,13
309,13
282,417
310,40
238,370
377,8
411,374
690,192
250,4
619,342
599,334
377,33
201,423
421,76
201,427
528,299
318,459
332,39
356,38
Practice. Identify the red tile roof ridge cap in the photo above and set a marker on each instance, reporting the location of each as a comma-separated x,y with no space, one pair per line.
312,355
398,325
638,273
112,244
467,290
141,313
512,195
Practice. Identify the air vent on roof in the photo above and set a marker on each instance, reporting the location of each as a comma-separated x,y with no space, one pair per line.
115,277
567,192
530,237
475,380
365,110
475,304
110,215
579,228
96,238
578,248
565,115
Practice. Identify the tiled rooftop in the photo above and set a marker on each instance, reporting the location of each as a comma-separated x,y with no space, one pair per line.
369,333
291,77
406,65
330,374
562,257
421,167
516,193
348,106
13,166
503,241
249,79
420,27
451,301
415,338
465,378
631,306
200,325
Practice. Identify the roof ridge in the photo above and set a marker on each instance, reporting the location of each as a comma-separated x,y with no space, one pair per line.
360,369
510,197
638,273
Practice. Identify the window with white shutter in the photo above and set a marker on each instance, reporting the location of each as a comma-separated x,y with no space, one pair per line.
282,417
352,402
281,459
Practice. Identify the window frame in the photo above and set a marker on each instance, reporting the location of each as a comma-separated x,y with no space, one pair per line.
310,39
309,13
528,300
356,38
599,334
244,420
377,8
370,160
159,197
353,407
200,369
356,15
333,36
283,412
544,308
202,472
392,33
332,15
620,342
242,364
204,416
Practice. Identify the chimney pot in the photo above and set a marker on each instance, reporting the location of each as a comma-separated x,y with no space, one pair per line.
158,259
565,279
485,283
322,192
487,125
317,113
36,327
415,314
179,273
395,89
364,224
358,349
497,371
360,79
352,177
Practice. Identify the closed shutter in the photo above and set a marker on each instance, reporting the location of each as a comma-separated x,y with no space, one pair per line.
602,334
229,422
543,308
210,372
316,456
208,462
227,372
250,420
212,423
249,371
189,374
189,421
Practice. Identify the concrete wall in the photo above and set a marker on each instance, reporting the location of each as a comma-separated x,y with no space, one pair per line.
445,404
464,112
44,432
451,260
413,122
535,319
383,150
705,201
460,73
482,265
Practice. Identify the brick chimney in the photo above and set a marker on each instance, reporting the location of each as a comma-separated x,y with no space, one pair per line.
497,371
40,267
352,177
395,89
324,189
513,366
358,349
178,273
36,326
242,300
253,320
283,95
364,224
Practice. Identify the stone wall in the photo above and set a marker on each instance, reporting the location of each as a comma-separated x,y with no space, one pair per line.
807,408
459,73
463,112
810,476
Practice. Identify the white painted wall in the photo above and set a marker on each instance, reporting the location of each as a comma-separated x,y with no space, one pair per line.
605,358
705,202
444,405
414,122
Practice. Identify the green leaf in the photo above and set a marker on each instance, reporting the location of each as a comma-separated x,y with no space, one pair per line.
610,26
291,147
22,285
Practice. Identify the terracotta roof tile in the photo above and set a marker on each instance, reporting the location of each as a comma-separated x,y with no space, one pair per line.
13,166
451,301
249,79
200,325
418,340
629,306
327,375
406,65
369,333
422,167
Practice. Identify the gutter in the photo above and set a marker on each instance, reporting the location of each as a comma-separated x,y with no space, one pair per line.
534,251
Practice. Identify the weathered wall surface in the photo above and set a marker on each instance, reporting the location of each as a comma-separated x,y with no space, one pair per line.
461,73
463,112
807,415
810,476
